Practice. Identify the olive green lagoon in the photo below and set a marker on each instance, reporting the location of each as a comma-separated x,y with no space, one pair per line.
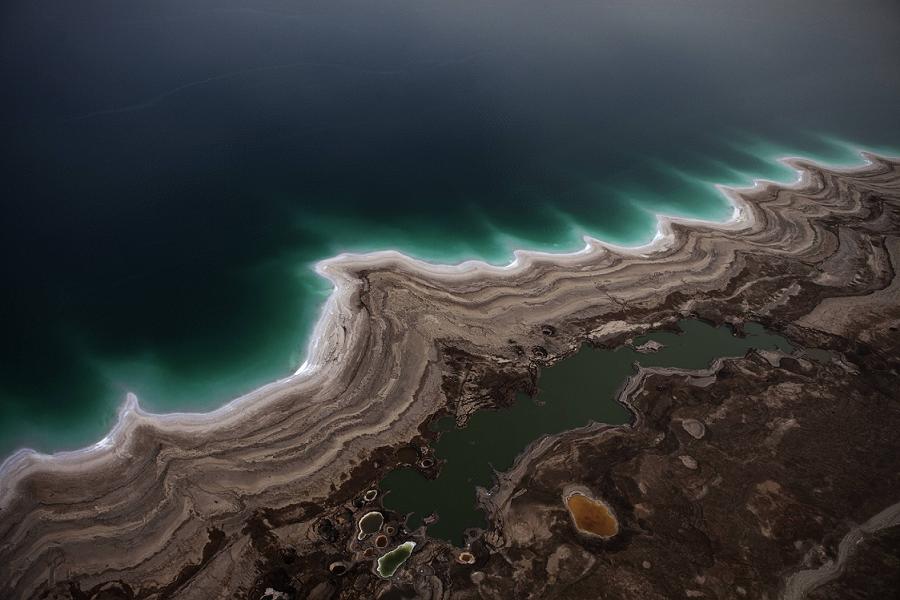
575,392
391,561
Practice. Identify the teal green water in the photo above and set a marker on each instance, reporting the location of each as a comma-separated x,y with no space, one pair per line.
573,393
173,170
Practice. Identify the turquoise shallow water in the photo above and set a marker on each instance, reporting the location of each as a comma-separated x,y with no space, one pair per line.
173,170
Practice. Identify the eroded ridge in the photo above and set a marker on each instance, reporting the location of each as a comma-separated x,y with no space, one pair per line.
189,506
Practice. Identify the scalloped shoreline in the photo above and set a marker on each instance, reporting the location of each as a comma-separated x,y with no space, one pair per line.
179,502
322,348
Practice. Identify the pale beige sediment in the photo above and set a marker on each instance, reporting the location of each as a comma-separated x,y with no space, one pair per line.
138,506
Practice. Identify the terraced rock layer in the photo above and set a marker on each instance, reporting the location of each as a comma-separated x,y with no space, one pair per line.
263,492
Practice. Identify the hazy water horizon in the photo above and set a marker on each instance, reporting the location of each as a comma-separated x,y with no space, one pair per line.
174,169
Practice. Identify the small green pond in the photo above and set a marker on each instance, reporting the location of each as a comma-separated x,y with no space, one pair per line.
391,561
574,392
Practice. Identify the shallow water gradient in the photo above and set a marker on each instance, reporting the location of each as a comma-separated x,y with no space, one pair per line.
172,169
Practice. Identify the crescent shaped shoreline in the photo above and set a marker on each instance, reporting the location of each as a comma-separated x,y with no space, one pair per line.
338,270
142,505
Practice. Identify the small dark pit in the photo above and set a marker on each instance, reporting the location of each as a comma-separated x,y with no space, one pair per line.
539,351
327,531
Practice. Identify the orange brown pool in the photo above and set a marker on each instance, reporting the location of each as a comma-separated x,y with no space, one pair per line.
591,516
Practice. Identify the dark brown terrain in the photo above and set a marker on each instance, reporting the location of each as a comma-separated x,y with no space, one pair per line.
767,476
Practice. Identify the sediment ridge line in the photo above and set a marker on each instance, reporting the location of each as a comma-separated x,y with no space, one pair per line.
139,506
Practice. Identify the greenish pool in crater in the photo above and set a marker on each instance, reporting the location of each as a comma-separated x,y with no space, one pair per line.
391,561
573,393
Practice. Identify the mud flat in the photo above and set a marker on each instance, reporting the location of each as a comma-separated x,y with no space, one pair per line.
266,493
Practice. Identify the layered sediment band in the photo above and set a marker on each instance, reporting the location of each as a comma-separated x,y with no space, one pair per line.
162,503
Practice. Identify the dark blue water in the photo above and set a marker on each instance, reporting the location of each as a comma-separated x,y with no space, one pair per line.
172,169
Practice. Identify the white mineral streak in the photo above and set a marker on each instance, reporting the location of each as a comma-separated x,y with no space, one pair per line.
139,505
